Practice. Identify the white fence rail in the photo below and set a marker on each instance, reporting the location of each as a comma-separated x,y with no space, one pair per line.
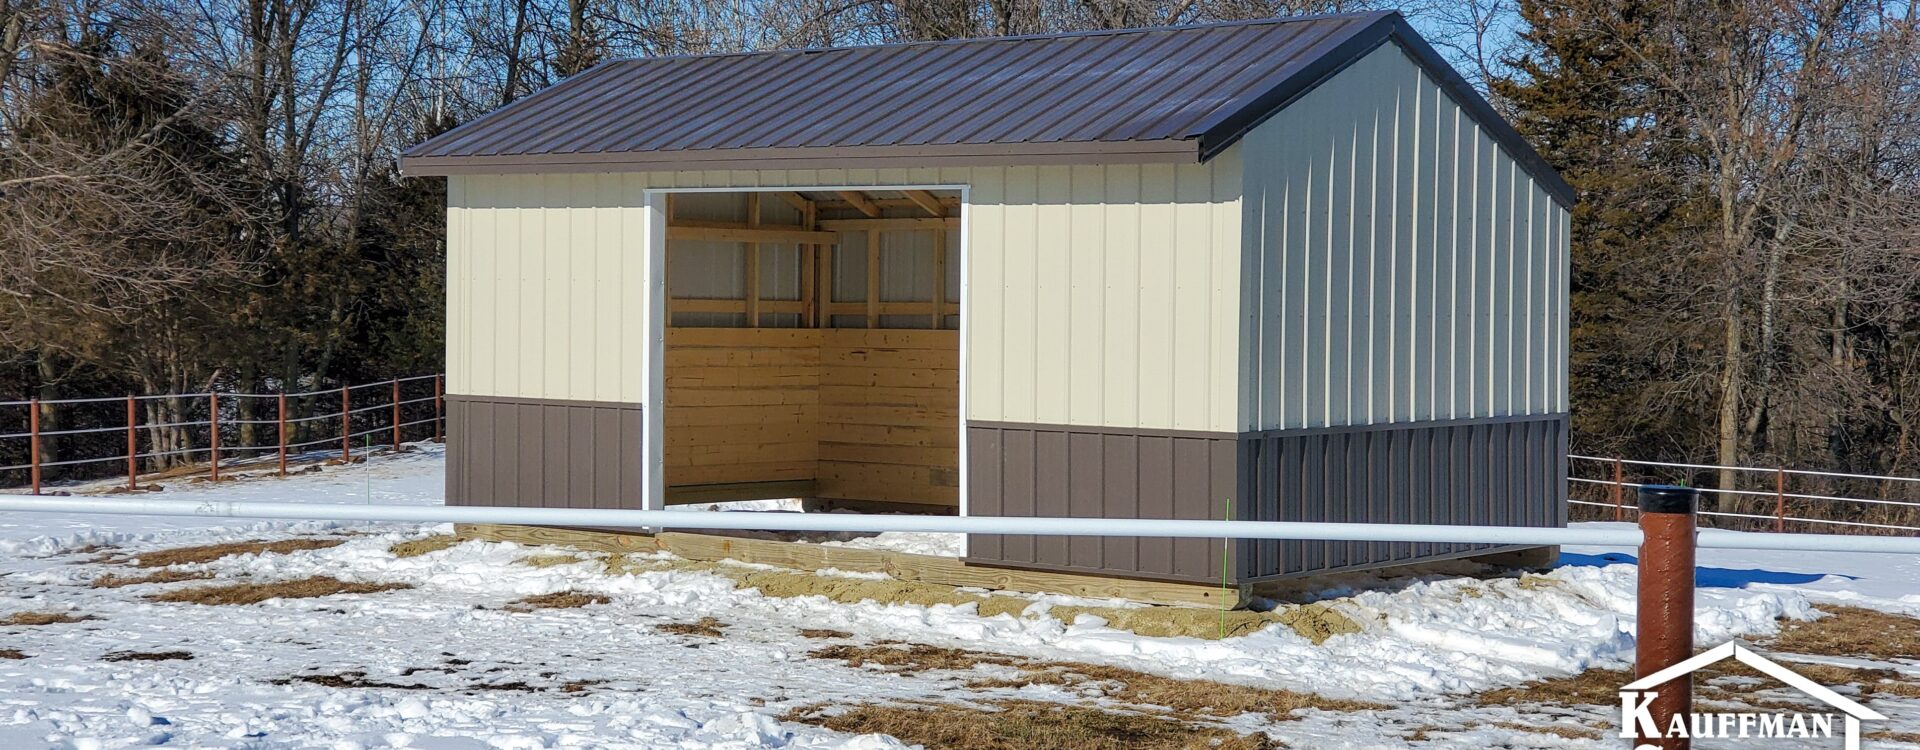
849,522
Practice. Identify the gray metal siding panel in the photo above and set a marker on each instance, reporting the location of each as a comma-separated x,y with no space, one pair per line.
543,453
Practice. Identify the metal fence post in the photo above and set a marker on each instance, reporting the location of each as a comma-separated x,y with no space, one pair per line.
396,414
133,450
283,434
438,389
1779,500
33,443
346,426
213,443
1664,627
1619,489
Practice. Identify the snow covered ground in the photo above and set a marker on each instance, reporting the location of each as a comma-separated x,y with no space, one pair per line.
445,665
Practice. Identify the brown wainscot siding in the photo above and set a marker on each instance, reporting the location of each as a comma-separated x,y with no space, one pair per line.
1502,471
543,453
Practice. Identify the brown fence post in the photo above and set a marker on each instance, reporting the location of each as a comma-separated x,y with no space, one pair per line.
346,426
283,434
213,444
1619,489
396,414
437,412
133,450
1779,500
1664,627
33,443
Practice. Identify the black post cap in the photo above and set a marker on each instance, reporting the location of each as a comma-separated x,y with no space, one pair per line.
1666,498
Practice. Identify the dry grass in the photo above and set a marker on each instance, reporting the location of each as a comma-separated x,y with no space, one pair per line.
254,593
1911,738
418,547
148,656
1567,731
29,619
705,627
111,581
1188,697
1020,725
1600,687
1851,631
823,633
557,600
8,653
211,552
548,561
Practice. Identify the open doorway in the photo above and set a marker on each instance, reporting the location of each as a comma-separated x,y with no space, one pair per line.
812,348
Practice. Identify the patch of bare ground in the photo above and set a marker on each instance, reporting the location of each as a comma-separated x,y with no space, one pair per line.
254,593
822,633
1912,738
557,600
352,679
30,619
1594,687
1568,731
211,552
1851,631
1019,725
9,653
357,679
148,656
111,581
1189,697
548,561
418,547
705,627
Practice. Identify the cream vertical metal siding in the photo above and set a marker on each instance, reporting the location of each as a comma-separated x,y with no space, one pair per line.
1399,265
1097,295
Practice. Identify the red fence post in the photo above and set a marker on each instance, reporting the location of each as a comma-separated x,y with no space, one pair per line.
1619,489
1779,500
33,443
133,450
1664,627
396,414
213,443
283,434
437,426
346,426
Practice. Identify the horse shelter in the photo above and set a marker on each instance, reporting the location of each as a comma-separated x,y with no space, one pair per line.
1288,269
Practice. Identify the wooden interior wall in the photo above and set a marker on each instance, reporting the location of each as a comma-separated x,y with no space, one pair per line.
742,405
890,416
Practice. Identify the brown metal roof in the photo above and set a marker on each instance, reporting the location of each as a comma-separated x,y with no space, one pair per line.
1178,94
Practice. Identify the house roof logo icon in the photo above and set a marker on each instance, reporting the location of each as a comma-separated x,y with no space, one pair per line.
1633,722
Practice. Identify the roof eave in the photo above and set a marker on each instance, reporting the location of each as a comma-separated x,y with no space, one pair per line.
1173,151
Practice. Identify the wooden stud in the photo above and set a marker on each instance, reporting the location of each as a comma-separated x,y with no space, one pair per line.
753,263
861,203
825,286
926,201
809,311
939,279
873,278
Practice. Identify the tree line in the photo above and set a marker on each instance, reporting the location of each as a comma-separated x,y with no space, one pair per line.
203,194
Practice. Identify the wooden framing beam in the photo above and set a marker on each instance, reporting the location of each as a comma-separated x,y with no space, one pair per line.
928,202
753,263
861,202
951,203
797,201
860,225
873,278
789,236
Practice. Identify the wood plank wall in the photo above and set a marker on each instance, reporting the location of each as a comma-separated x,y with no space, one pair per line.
871,415
742,405
890,416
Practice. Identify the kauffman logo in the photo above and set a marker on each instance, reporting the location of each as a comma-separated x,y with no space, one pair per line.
1637,721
